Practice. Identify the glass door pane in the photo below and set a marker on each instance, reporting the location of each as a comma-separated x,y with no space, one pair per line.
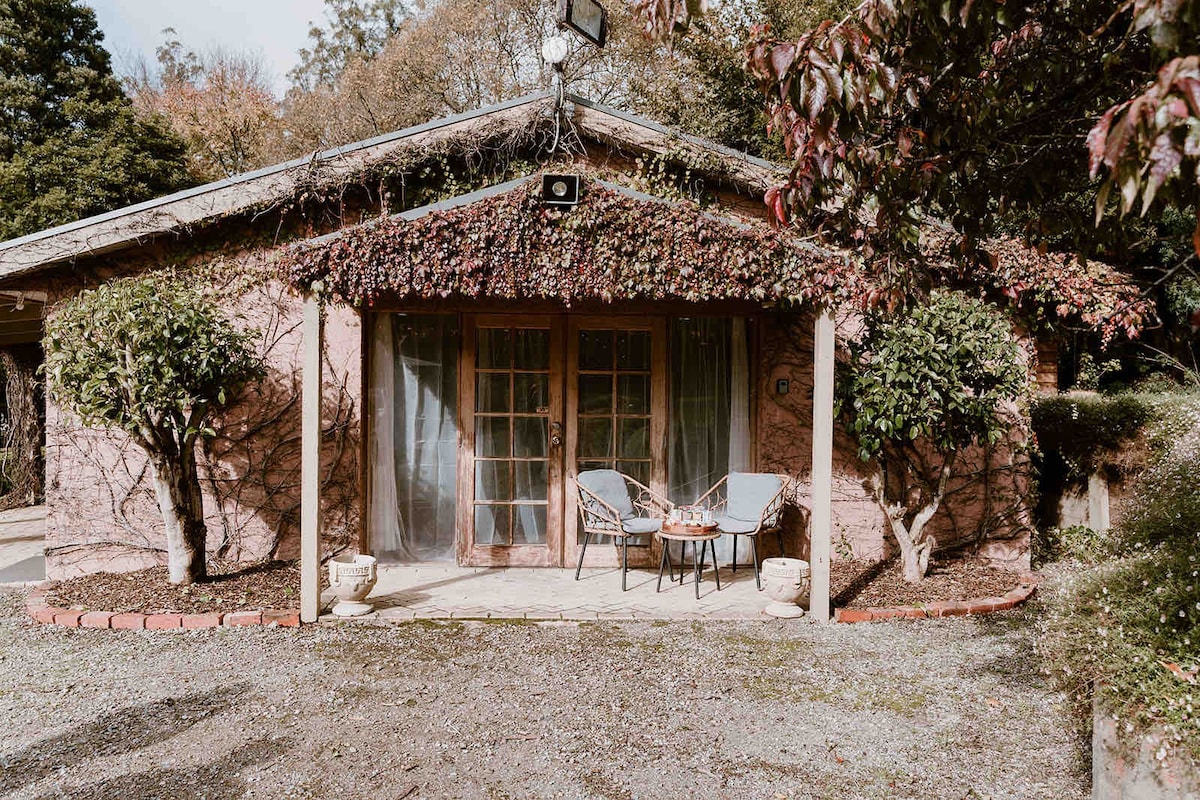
710,392
512,417
613,402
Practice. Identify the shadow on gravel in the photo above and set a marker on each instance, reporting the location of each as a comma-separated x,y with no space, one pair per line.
1018,665
216,780
1022,667
122,731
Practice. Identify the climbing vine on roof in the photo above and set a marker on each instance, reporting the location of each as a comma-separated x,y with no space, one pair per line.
1052,287
611,246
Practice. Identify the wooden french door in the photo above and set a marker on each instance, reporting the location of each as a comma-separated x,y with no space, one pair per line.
616,416
541,398
511,459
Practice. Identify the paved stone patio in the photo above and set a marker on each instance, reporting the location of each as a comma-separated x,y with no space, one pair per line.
22,540
441,591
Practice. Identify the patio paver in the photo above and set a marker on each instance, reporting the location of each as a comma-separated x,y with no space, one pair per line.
22,544
439,591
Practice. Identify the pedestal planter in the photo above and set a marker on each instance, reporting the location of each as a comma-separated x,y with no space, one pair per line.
351,578
786,581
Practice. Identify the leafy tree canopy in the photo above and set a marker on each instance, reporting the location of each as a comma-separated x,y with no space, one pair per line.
975,112
938,371
219,102
70,143
148,356
151,357
356,29
703,87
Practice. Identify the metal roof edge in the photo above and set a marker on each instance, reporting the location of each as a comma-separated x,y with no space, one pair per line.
421,211
324,155
502,188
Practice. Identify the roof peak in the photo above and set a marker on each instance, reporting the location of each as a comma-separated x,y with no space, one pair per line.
133,224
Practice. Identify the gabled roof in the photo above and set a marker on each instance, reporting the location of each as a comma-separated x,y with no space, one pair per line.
137,224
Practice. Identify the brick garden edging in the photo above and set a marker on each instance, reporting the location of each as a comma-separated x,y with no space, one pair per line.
37,607
943,608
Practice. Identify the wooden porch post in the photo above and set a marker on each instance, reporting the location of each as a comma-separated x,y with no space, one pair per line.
313,331
822,464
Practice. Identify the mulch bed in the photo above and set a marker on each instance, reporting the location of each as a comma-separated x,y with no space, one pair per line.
231,587
276,584
867,584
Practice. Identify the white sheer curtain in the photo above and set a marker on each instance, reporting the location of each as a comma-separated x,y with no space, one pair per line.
388,539
710,409
413,395
739,421
739,397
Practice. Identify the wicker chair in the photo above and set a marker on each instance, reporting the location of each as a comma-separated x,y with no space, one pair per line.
614,504
747,504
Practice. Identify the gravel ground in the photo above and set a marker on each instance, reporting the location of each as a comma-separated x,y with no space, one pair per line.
939,709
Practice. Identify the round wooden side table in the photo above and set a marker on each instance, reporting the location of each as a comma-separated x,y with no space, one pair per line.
706,535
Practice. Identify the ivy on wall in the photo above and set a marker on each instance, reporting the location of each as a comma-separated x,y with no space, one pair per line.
1054,287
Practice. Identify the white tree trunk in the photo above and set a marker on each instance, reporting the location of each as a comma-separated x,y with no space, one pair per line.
177,487
915,545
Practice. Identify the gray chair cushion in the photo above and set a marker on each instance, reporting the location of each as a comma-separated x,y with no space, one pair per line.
640,525
727,524
609,486
749,493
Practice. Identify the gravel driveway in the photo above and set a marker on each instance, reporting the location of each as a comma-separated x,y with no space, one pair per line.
942,709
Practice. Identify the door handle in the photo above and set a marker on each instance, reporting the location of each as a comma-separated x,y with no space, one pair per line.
555,434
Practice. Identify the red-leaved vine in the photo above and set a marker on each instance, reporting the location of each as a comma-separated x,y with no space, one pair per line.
613,247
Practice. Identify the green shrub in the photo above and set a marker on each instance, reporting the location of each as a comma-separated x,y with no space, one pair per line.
1124,632
1078,542
1089,373
1130,628
1087,430
1182,296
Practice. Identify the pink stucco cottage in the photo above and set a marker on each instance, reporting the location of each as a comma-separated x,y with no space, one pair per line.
482,306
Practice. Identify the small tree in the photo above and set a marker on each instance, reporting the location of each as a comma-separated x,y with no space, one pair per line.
149,356
924,383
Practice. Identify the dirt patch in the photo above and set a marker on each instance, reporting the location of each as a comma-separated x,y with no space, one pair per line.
867,584
231,587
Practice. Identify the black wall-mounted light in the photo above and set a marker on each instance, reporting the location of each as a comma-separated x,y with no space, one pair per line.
560,190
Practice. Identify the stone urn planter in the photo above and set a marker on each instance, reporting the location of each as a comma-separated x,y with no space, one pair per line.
351,578
786,581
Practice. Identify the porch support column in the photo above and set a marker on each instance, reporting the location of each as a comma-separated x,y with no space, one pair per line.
822,464
313,332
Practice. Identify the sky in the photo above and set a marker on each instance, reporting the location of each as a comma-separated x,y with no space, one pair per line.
274,29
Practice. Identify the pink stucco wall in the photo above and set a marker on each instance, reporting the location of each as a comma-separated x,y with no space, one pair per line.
987,503
101,509
102,513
